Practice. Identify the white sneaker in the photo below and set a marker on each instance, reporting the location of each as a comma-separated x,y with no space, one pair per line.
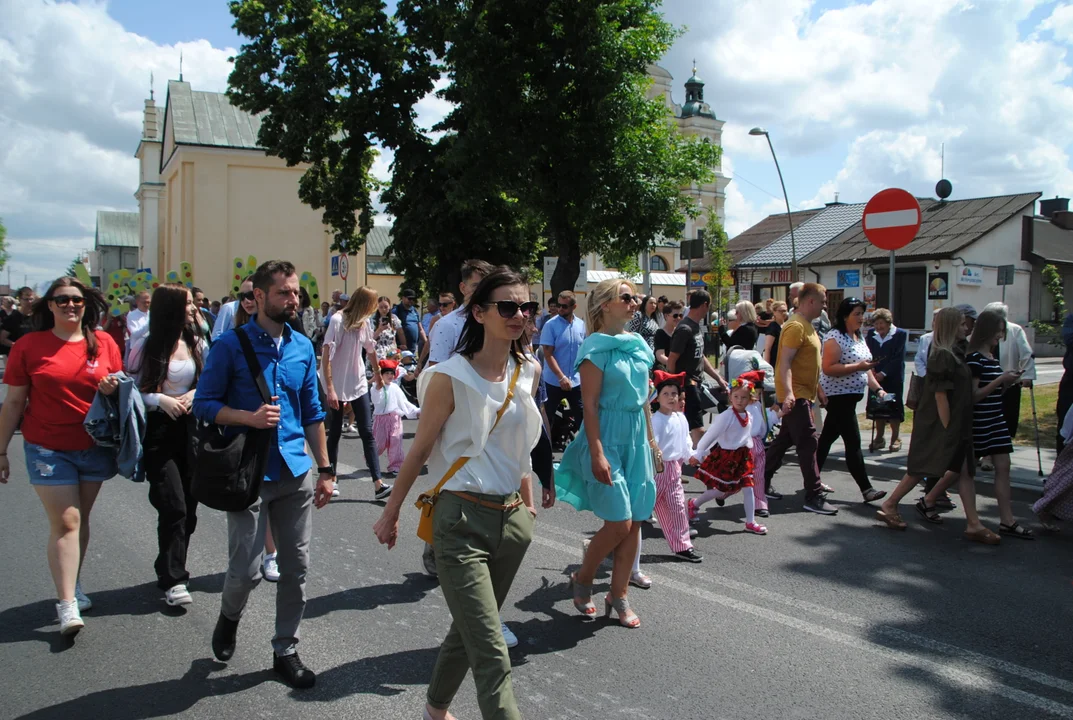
510,638
271,569
70,618
335,490
346,428
84,603
178,595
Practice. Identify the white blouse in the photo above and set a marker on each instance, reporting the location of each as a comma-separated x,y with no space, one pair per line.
180,378
344,352
498,461
853,351
726,431
672,435
391,400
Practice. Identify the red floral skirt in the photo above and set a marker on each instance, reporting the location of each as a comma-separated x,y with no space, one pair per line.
727,470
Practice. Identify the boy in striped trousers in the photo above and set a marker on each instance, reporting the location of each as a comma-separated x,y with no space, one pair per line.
671,429
390,406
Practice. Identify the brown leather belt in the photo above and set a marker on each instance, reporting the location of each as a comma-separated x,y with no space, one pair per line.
484,503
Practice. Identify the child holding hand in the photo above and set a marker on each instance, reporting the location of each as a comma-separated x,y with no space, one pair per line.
389,407
671,431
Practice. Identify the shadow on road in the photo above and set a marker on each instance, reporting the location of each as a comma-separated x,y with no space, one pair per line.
413,589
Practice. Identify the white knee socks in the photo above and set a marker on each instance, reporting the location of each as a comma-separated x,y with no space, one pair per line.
750,504
707,496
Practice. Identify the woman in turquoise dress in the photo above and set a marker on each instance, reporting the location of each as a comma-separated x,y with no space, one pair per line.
608,468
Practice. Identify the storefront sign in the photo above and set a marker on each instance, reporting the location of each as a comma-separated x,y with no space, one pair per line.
970,275
869,298
745,290
849,278
776,277
938,286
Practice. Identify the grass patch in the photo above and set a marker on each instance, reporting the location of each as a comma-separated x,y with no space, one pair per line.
1046,401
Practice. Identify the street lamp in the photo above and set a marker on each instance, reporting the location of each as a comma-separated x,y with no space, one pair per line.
789,219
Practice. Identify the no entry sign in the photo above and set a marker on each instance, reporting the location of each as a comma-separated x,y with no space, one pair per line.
891,219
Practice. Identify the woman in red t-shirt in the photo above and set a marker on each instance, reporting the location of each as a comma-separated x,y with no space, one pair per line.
54,374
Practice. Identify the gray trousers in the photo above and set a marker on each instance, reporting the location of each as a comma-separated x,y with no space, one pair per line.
288,502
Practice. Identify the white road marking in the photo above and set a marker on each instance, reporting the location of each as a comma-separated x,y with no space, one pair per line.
958,669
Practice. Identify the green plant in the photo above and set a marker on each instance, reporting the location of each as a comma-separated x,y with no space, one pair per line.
1052,282
1046,330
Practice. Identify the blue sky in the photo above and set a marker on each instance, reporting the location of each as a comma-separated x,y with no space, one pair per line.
857,96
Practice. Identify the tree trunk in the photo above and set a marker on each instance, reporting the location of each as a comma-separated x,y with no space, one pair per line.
569,266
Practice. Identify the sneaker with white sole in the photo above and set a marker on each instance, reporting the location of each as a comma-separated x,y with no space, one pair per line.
382,492
510,638
428,560
178,595
335,490
84,603
271,569
70,618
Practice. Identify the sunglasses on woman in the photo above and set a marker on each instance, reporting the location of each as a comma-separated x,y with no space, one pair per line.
677,316
628,298
65,300
508,308
246,295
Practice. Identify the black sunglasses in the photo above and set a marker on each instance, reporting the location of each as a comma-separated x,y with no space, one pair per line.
508,308
677,315
65,300
246,295
628,298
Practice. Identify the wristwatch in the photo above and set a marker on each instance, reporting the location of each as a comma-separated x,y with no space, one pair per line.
328,470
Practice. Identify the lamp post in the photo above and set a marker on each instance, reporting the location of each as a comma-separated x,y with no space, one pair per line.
789,219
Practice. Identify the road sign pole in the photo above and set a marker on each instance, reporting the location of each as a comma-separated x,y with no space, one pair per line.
890,289
1004,299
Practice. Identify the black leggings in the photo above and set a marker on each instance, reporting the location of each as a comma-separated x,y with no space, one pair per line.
168,471
841,421
363,419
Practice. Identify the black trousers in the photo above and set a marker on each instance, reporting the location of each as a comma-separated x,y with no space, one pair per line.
1011,408
560,429
166,455
841,421
363,418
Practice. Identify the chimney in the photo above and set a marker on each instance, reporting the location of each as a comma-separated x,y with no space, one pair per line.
1047,208
831,204
1063,219
150,124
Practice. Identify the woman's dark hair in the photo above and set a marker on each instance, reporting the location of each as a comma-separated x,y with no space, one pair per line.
95,309
644,304
167,325
304,300
845,309
472,338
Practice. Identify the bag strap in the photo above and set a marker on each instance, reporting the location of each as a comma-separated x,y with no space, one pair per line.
499,414
253,365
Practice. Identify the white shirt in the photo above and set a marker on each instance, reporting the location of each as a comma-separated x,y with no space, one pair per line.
225,320
391,400
180,378
853,351
727,431
672,435
920,360
759,425
882,339
445,335
136,321
1015,352
344,353
499,459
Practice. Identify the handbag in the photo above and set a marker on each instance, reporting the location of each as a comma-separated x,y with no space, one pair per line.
228,469
426,502
916,386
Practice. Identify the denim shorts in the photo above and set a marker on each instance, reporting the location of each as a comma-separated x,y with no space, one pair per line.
69,467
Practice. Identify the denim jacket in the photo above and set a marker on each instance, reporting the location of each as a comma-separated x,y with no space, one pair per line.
117,421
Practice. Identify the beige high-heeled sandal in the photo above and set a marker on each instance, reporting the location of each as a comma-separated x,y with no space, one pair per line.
626,617
582,596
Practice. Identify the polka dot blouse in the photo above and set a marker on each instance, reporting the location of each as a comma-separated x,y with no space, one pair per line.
853,351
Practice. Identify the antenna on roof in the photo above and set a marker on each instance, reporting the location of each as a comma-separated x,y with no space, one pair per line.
150,84
180,66
943,188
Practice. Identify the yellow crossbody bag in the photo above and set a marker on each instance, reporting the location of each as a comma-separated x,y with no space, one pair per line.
426,502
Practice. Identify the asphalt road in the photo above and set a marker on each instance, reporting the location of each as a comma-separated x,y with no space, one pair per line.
823,618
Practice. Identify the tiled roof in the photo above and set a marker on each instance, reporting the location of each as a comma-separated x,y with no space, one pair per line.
810,235
117,229
595,276
757,237
209,118
946,228
376,245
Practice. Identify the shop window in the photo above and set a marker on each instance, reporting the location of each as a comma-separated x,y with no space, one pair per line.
656,263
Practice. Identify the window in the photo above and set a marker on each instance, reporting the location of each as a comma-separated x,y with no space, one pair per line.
656,263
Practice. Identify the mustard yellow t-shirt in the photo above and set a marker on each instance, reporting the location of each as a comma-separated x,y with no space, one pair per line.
798,334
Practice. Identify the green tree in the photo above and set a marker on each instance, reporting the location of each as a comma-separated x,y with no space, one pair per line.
715,245
4,256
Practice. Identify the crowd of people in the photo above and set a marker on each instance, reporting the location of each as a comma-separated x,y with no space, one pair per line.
630,395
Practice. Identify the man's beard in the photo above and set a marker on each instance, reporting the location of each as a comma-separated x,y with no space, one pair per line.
281,314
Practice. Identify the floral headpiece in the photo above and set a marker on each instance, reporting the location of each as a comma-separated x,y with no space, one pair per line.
748,380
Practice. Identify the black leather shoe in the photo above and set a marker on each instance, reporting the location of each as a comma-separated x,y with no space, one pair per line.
293,672
690,555
223,638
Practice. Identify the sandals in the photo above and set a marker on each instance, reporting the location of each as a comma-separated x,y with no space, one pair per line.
892,519
877,444
945,503
825,488
626,617
983,535
930,514
640,580
1017,531
1047,522
582,596
871,495
895,445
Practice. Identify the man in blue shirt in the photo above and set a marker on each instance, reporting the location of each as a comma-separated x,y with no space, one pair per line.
561,339
411,321
227,395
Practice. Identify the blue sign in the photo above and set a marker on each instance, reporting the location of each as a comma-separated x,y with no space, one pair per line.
849,278
335,266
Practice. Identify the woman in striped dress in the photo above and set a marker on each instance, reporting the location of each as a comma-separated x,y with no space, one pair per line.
990,433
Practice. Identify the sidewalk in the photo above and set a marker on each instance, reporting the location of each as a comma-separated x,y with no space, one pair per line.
1024,471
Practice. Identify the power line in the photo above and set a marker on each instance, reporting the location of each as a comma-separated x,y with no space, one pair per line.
739,176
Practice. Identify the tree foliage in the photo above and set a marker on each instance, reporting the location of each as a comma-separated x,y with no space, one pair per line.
715,245
1052,282
4,255
551,146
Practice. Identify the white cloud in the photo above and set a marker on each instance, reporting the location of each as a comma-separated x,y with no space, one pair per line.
1060,23
73,84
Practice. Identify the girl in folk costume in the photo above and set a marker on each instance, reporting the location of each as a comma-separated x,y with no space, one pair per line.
672,436
389,407
726,452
